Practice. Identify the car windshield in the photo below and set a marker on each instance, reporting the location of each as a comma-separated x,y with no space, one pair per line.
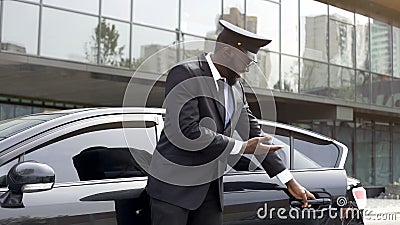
13,126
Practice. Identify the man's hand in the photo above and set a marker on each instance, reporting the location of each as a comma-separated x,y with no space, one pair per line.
299,192
255,146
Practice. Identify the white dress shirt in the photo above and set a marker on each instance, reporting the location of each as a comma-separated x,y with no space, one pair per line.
283,176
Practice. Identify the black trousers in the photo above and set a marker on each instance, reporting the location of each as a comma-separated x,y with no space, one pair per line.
209,212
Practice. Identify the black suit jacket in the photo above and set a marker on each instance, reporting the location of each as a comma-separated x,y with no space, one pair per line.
177,174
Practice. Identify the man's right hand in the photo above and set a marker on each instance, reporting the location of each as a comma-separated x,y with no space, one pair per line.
255,146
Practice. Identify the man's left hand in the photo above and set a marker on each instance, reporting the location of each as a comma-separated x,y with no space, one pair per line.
299,192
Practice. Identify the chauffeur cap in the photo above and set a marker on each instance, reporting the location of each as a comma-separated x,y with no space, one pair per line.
248,42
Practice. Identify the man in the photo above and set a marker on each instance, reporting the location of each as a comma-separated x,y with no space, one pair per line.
204,105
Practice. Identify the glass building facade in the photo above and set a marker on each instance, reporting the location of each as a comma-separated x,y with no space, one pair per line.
318,50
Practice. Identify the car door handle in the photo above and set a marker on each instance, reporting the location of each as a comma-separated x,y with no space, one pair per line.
318,201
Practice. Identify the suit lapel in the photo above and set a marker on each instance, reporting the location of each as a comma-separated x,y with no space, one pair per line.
210,83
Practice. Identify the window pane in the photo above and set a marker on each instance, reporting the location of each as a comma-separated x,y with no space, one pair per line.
341,43
199,17
363,86
381,94
382,160
20,33
120,9
362,39
114,43
381,48
313,153
363,152
290,27
314,78
396,92
57,39
290,73
396,52
234,12
144,11
67,157
323,127
345,134
4,169
396,153
89,6
193,46
146,42
313,30
6,111
341,15
342,83
263,19
266,73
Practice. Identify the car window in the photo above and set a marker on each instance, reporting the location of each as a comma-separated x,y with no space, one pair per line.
100,154
310,152
4,169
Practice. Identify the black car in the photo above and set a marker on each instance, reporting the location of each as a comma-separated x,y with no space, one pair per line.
77,167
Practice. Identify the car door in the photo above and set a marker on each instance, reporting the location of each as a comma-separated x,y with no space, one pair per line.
252,197
94,183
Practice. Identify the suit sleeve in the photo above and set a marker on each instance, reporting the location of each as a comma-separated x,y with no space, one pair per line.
248,127
183,127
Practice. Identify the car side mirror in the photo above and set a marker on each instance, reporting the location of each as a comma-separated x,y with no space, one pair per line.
26,177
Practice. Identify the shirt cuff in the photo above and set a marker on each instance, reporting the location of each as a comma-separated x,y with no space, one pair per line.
284,176
236,148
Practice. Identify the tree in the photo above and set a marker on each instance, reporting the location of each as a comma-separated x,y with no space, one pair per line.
106,35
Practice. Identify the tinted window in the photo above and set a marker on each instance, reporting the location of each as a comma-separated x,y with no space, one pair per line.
11,127
310,152
4,171
101,154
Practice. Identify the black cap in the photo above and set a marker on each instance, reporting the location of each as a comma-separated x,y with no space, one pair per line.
248,42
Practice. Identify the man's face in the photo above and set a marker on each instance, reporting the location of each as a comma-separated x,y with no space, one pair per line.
238,64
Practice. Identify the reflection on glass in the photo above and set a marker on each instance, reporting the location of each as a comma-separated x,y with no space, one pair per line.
345,134
396,92
200,17
120,9
396,52
290,27
382,160
89,6
233,12
323,127
362,43
314,78
363,86
313,30
290,73
262,17
396,153
20,33
70,38
381,54
193,46
341,43
381,94
342,83
341,15
148,41
22,110
114,43
363,152
266,73
144,11
6,111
